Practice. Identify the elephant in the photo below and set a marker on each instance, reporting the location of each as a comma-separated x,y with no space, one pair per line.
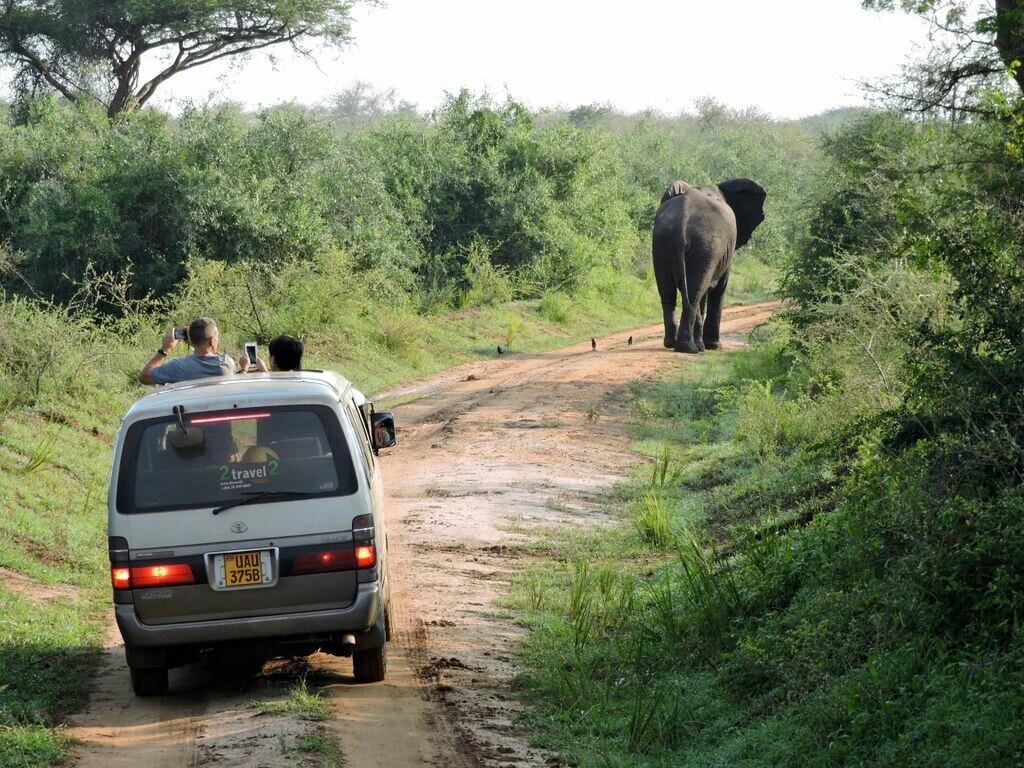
696,232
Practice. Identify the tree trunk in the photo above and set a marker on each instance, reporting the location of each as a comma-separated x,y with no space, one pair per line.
1010,37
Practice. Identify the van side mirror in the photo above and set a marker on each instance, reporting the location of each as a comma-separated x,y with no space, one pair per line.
383,430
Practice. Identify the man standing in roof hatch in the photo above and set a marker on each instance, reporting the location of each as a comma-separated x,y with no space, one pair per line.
202,335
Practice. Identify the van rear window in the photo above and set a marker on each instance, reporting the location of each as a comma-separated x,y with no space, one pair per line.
241,452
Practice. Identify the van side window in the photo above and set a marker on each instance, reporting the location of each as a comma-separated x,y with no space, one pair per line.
362,437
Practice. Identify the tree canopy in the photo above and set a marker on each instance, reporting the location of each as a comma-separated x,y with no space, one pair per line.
976,48
95,49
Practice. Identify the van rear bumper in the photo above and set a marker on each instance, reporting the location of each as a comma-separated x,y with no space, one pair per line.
360,616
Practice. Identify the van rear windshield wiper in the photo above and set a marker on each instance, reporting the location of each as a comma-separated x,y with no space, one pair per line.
254,496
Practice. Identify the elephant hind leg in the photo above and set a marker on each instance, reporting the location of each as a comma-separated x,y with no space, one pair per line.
713,324
699,323
668,309
689,324
671,329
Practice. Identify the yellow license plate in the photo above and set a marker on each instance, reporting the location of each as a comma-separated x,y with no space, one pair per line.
243,569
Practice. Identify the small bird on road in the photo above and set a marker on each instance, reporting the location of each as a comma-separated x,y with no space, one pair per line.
500,350
593,344
629,342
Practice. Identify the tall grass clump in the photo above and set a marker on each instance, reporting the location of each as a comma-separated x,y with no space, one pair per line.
556,307
653,522
768,424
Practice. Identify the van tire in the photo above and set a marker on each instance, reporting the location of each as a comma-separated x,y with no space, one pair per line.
371,665
149,681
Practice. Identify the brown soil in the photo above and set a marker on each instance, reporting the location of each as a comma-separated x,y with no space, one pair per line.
34,590
488,453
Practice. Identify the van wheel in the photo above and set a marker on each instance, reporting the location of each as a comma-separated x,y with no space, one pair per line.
149,681
370,666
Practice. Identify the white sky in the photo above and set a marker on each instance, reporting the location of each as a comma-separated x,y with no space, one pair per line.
790,58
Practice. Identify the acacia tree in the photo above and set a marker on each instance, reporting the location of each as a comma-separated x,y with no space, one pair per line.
94,49
976,47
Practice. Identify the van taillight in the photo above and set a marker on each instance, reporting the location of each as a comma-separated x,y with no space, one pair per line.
366,556
140,577
121,578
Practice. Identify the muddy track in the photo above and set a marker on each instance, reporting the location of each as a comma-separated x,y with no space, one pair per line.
488,452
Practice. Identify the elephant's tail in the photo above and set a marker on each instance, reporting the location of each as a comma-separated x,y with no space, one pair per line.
684,289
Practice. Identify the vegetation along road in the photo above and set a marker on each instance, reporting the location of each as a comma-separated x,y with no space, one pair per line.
488,452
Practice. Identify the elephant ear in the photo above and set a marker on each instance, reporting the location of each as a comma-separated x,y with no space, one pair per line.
746,198
675,189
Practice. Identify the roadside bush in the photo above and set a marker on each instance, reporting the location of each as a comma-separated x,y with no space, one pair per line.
555,307
402,332
861,217
255,185
769,425
49,355
251,301
487,284
80,191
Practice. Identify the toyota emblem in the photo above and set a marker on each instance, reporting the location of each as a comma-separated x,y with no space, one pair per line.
239,527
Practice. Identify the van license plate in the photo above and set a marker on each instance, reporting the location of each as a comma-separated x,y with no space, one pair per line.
243,569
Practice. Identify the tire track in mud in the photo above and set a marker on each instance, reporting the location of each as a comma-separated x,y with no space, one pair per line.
488,452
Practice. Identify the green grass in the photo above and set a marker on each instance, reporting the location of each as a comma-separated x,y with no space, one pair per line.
53,472
53,481
318,748
751,280
779,592
301,701
32,746
47,648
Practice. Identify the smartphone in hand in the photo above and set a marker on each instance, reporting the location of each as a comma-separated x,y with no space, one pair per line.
250,352
181,334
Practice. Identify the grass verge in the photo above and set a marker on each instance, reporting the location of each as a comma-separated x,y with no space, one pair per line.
783,589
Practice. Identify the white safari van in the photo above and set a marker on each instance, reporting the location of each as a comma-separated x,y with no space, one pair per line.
246,515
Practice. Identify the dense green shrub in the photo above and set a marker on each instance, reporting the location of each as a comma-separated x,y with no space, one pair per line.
861,217
406,197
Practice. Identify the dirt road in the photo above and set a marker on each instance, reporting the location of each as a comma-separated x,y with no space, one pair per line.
486,452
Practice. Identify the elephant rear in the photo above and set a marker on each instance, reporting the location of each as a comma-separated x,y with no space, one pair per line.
696,232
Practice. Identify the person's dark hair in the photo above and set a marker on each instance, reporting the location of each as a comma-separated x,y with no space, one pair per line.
287,353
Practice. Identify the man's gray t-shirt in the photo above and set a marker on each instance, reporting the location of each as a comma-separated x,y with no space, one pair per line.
193,367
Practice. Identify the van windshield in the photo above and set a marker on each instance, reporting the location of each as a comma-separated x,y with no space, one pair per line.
277,449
